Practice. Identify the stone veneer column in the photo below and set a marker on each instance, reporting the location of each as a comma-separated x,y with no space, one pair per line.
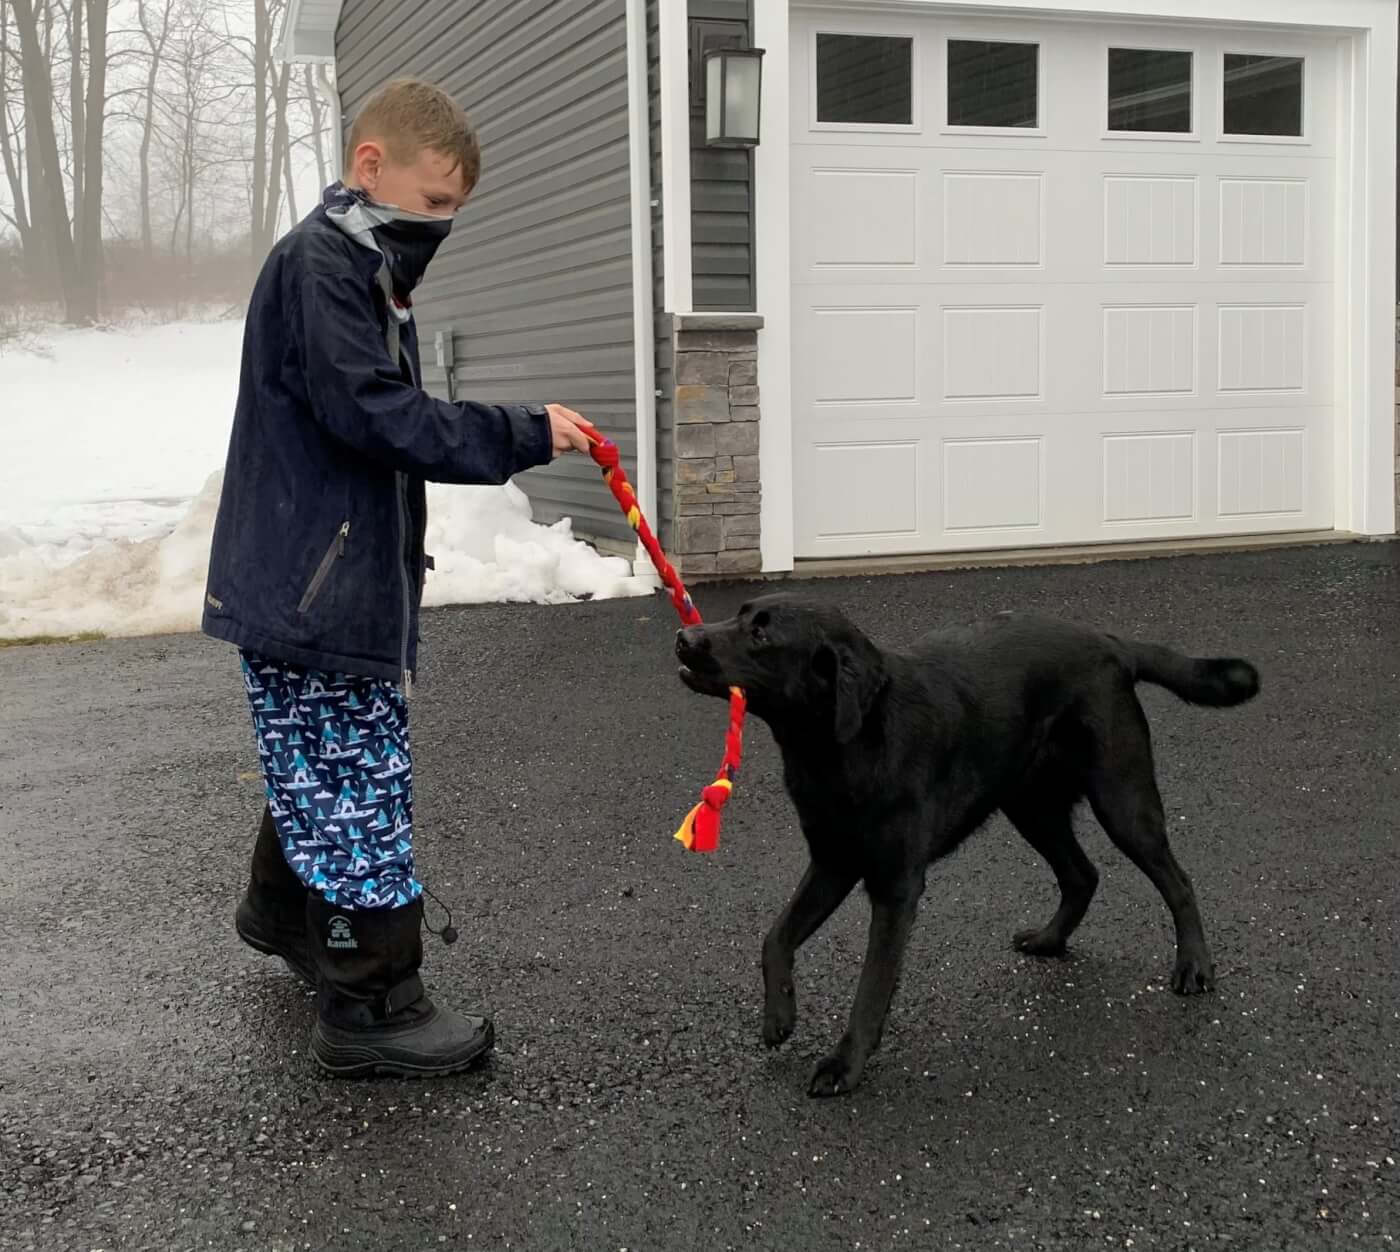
716,486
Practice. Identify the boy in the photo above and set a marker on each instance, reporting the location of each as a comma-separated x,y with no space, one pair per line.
317,569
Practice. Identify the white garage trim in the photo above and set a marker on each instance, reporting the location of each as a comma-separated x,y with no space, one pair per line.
773,289
643,329
674,69
1364,259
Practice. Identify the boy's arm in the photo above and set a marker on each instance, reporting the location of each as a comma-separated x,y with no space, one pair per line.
358,395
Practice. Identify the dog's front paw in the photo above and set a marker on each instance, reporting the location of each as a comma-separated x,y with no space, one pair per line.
779,1016
836,1075
1039,941
1192,975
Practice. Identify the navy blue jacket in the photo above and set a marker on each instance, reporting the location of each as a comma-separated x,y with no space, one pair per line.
318,545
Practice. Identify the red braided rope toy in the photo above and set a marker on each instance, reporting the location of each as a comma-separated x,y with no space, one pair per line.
700,830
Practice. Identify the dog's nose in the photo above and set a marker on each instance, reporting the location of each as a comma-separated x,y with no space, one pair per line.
692,639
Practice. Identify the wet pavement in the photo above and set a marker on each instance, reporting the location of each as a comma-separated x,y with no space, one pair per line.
155,1088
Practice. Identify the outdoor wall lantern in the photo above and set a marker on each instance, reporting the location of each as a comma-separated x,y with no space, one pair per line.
733,78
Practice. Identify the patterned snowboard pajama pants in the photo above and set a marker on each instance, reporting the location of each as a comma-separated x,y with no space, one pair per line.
339,775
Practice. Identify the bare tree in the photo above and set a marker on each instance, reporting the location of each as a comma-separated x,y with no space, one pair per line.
73,13
76,240
270,84
41,142
289,182
196,112
185,113
12,150
154,22
88,212
318,128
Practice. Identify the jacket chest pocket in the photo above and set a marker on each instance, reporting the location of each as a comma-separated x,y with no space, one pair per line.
323,570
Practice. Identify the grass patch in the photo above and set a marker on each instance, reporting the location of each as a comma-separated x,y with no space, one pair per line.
29,641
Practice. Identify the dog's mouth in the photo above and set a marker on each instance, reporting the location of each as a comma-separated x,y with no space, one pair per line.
699,671
703,682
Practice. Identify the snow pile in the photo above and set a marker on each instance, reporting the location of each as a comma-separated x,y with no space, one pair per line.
487,550
106,439
120,587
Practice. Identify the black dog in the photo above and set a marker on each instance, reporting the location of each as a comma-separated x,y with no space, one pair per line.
892,759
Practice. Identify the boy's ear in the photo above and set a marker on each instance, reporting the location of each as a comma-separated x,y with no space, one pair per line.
366,165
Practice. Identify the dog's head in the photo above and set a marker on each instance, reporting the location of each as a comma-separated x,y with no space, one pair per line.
803,665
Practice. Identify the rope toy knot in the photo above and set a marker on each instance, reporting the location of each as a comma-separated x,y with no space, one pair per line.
606,455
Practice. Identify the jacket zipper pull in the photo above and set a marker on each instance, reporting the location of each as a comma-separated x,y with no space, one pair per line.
344,535
407,683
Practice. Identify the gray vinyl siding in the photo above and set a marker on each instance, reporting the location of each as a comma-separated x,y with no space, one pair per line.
535,280
721,180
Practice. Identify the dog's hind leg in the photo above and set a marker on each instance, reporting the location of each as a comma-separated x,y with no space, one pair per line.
817,897
1047,824
1124,795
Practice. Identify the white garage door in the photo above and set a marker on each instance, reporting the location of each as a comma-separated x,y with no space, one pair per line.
1058,283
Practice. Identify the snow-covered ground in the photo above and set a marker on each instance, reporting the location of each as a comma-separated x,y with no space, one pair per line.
112,444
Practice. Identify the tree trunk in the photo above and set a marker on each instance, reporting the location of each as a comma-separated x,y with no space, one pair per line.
8,152
39,112
156,47
318,124
45,274
89,219
272,203
290,182
262,43
75,100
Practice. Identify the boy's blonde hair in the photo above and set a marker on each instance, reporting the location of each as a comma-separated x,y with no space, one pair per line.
408,115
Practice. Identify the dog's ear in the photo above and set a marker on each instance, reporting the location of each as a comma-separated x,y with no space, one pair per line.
857,673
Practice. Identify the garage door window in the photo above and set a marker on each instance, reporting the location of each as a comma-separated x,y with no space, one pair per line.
1149,89
993,84
865,80
1263,95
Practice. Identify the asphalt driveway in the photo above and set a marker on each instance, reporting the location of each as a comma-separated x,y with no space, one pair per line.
155,1090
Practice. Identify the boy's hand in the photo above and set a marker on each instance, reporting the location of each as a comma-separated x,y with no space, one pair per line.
567,427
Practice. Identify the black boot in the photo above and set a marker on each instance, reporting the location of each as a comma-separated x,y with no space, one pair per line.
271,917
374,1016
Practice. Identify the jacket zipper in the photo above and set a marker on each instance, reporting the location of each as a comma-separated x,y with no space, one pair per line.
333,554
401,490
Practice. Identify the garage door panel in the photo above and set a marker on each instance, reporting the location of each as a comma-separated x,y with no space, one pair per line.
868,490
992,484
992,218
1150,477
1262,473
869,217
1263,222
1150,220
1149,350
864,354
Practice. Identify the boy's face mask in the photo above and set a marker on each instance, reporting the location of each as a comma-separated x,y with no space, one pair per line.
408,241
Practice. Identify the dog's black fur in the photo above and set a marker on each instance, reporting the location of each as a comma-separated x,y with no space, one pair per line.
893,758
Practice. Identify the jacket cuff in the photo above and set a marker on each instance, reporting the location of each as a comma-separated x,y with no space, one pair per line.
537,447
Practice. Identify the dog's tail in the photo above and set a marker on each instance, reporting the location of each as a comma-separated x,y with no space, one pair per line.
1215,681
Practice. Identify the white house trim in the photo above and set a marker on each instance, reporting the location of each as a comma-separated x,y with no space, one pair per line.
773,289
1364,499
674,53
643,328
